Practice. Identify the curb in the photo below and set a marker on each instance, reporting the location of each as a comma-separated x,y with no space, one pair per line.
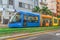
27,35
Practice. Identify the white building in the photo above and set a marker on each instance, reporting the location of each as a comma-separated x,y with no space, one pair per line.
27,5
42,3
51,4
8,7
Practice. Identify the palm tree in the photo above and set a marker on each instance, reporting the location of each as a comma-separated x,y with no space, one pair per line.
36,9
45,10
50,12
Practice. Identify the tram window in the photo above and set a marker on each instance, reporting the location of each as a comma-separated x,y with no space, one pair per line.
33,19
25,18
16,18
55,20
46,20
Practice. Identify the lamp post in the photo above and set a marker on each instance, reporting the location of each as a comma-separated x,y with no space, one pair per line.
3,14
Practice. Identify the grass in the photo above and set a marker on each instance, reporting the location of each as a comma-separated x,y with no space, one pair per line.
11,31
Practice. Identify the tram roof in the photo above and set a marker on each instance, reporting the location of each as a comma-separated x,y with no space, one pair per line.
27,12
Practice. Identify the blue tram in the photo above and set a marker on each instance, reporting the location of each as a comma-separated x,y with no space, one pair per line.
24,19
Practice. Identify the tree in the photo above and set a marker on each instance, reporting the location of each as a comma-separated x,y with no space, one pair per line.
45,10
50,12
36,9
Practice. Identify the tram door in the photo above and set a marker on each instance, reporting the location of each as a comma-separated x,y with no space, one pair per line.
25,21
43,22
47,22
50,22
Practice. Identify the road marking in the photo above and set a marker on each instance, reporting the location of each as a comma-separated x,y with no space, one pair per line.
57,34
25,36
20,37
14,38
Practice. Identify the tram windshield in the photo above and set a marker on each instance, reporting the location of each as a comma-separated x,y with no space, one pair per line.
15,18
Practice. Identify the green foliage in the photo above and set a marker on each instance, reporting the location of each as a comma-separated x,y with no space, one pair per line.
36,9
44,10
12,31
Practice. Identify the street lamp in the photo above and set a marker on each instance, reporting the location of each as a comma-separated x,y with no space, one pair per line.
3,14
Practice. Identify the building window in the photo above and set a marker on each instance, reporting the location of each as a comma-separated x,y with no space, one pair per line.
58,7
20,4
41,0
58,2
36,2
23,5
10,2
45,0
28,6
31,7
31,0
0,1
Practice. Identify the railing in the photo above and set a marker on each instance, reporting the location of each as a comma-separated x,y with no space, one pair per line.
10,6
6,6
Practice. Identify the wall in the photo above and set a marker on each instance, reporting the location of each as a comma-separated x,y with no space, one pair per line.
23,1
52,5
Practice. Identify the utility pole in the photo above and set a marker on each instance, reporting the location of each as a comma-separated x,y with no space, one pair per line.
3,14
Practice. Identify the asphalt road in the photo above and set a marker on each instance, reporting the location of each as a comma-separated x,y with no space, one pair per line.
49,36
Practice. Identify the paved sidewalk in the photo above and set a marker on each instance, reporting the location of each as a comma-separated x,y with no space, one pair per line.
3,25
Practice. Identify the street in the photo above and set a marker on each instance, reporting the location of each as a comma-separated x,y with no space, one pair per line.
49,36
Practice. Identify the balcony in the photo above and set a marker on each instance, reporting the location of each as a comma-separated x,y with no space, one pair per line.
51,8
10,6
10,10
44,3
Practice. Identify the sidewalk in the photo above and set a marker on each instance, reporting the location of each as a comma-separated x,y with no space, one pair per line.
3,25
26,35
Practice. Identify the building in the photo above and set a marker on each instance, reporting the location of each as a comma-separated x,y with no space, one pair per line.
27,5
8,7
58,7
51,4
42,3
